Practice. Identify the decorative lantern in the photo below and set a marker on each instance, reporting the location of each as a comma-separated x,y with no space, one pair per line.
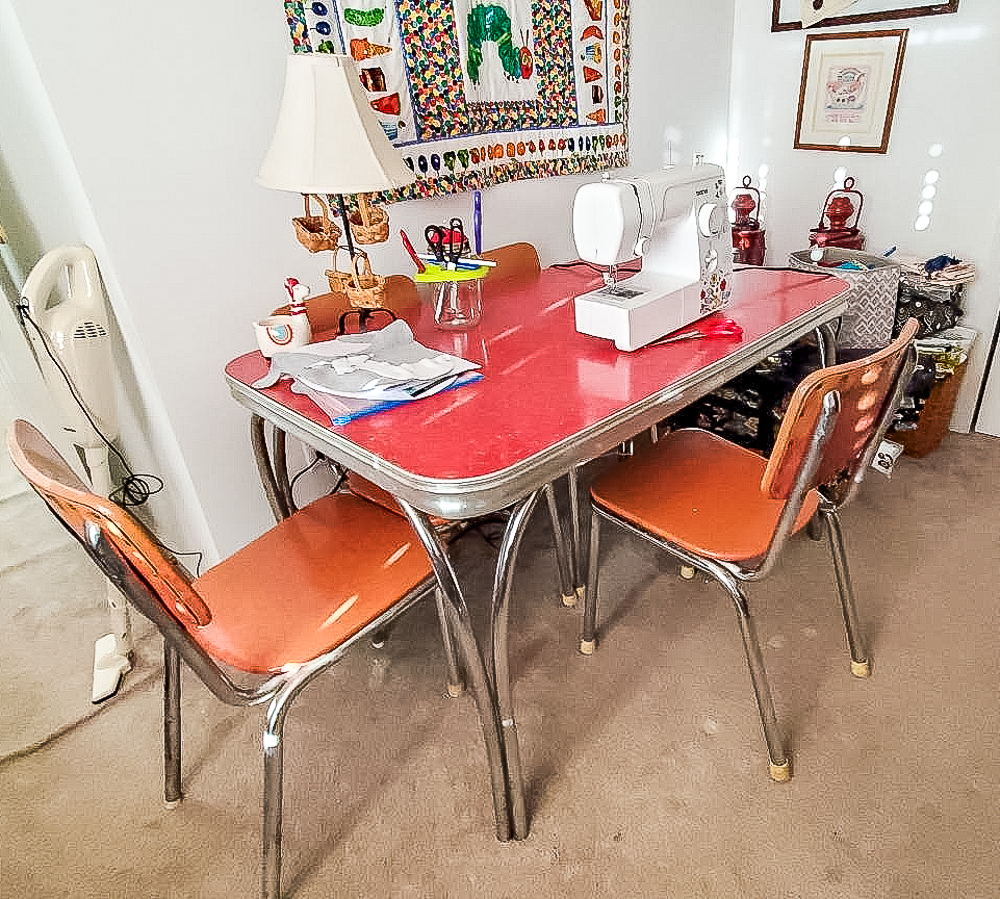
836,227
748,236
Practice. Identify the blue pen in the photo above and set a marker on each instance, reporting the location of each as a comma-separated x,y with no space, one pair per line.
348,417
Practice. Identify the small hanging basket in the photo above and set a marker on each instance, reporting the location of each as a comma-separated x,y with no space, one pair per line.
366,290
370,224
339,281
316,232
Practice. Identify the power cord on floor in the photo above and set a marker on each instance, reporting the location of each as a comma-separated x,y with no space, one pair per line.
73,726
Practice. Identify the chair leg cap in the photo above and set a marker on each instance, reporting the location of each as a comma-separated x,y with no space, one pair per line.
587,647
687,572
861,669
569,600
456,690
171,803
780,773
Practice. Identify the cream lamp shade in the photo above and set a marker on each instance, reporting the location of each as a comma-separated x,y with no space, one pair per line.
327,139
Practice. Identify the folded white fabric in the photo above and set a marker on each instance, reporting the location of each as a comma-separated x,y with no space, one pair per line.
357,370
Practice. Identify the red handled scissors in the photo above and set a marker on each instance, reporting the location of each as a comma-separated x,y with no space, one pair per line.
725,327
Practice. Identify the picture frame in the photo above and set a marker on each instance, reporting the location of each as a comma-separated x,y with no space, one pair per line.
847,95
786,15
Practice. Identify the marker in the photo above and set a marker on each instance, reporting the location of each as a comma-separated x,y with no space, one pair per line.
413,253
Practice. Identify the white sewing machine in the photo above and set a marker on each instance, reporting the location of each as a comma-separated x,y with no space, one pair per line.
676,219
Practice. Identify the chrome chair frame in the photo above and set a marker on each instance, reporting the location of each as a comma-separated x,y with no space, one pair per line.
731,574
278,690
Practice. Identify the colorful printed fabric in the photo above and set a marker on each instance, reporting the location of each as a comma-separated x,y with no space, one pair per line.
474,92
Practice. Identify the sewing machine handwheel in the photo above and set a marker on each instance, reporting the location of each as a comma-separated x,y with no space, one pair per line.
710,219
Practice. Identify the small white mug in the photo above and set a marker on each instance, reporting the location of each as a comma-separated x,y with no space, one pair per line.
282,333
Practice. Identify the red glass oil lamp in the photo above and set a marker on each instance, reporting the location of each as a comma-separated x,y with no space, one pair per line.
748,236
836,228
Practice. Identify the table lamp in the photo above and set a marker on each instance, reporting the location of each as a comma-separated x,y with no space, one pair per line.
328,141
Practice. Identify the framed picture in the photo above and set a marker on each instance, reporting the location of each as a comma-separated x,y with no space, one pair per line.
848,90
787,15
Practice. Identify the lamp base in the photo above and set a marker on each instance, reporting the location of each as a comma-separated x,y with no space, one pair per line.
364,317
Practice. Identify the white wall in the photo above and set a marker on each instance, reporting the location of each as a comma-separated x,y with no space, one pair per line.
946,96
164,113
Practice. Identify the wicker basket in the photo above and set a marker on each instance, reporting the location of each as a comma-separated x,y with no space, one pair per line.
366,290
370,224
339,281
871,300
316,232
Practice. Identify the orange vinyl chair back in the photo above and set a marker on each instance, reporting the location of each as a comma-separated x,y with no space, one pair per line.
324,310
863,389
514,262
81,511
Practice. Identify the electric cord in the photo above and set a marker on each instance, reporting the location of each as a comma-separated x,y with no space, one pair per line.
135,489
774,268
98,708
594,268
342,476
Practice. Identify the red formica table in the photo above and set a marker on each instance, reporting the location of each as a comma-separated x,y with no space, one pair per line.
550,400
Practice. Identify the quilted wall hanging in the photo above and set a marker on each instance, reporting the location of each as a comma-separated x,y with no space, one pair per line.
475,93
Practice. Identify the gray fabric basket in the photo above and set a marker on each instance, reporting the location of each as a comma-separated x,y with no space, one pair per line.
871,300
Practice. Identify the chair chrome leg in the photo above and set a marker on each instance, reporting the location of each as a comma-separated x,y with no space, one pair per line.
456,683
562,555
860,663
588,634
273,747
171,725
779,763
273,775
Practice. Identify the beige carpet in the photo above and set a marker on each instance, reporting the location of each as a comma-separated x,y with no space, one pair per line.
645,766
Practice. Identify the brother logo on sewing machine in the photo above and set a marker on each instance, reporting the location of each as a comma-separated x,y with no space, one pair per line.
677,221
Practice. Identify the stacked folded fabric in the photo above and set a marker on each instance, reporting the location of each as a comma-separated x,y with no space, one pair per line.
358,374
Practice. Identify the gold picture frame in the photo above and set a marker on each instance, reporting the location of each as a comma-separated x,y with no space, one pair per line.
786,14
847,95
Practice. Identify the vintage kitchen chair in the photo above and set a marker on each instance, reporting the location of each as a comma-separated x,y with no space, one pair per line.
727,511
515,263
259,626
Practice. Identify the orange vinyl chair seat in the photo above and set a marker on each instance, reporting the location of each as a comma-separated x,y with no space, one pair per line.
698,491
302,588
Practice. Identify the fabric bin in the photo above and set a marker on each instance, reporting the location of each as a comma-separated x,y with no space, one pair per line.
935,416
871,299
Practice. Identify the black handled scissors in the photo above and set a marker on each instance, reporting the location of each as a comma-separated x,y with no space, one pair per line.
447,244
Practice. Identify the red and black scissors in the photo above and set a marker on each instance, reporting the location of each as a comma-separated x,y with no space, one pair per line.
725,327
449,244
